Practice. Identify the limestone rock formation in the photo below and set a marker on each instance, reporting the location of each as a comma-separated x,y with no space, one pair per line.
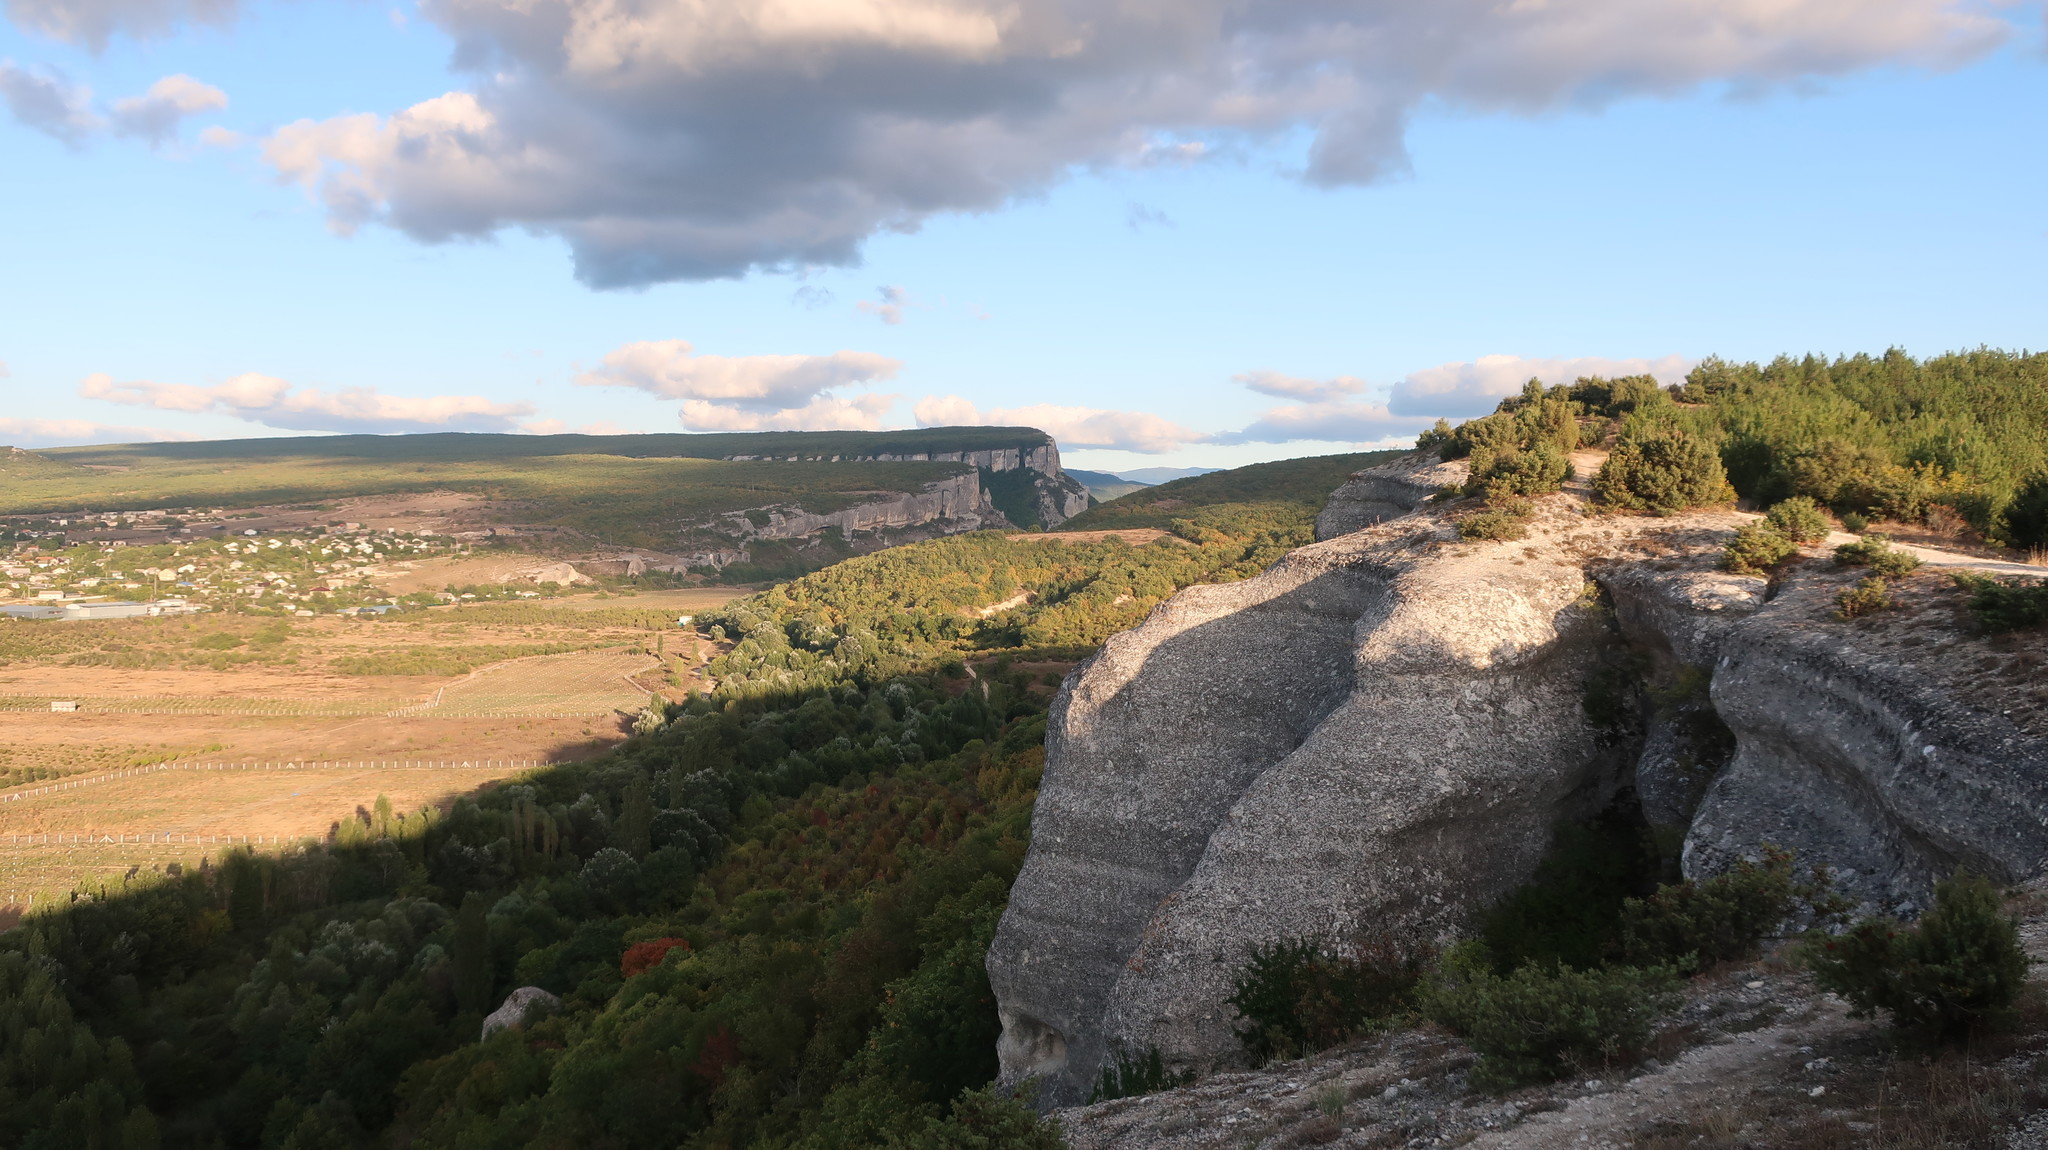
1385,492
520,1005
1379,733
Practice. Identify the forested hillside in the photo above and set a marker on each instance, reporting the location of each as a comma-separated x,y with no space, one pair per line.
1887,435
1296,489
765,915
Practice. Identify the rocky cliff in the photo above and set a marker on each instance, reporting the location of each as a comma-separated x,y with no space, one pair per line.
1377,736
1053,496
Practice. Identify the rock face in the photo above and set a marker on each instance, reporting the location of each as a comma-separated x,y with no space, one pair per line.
1379,733
959,498
527,1000
1385,492
1374,735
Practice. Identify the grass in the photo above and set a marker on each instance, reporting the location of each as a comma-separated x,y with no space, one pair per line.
592,682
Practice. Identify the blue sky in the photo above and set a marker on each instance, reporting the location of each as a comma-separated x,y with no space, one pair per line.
1117,280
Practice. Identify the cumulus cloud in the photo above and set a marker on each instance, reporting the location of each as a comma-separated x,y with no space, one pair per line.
752,392
680,139
269,400
72,432
1473,388
1331,422
1136,431
93,22
155,115
862,412
1292,387
49,103
672,369
888,306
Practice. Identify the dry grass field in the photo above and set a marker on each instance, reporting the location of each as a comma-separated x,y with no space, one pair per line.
480,692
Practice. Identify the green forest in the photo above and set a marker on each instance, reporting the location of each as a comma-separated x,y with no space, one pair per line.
763,916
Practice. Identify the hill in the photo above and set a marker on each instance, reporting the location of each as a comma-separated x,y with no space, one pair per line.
775,503
1301,484
1105,486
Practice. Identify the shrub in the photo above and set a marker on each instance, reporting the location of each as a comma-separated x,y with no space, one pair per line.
1960,969
1302,995
2024,521
1492,524
1538,469
1695,924
1869,596
642,957
1542,1023
1876,552
1130,1077
1663,471
1854,523
1756,548
1568,913
1799,519
2012,604
1435,438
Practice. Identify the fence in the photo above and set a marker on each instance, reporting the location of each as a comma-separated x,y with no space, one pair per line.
341,765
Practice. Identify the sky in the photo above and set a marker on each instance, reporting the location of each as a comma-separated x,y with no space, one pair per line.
1170,232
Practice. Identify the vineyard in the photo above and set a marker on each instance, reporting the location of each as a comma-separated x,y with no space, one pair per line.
95,829
586,683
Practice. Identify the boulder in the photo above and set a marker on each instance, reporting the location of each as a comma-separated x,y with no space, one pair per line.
520,1005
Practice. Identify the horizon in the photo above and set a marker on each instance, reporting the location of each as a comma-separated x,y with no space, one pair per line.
253,220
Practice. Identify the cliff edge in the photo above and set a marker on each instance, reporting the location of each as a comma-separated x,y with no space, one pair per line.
1378,734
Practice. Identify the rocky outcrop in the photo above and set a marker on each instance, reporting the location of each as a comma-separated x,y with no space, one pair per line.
1378,735
1055,496
1374,735
959,499
1389,491
520,1007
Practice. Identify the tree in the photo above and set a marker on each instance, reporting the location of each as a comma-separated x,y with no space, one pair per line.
473,976
1662,470
2024,522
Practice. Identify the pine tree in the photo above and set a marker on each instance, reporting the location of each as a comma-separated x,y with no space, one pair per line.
472,955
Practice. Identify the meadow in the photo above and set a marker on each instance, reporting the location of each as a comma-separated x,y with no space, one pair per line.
184,726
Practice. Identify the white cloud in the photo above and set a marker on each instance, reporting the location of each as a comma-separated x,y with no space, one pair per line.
72,432
686,139
1331,422
1467,389
888,307
93,22
752,392
49,103
269,400
671,368
861,412
1136,431
4,372
1291,387
155,115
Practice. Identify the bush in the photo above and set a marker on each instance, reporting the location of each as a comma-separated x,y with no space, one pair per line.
1876,552
1130,1077
2012,604
1959,970
2024,521
1869,596
1854,523
1538,469
1569,912
1542,1023
1308,994
1662,470
1492,524
1692,925
1799,519
1756,548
